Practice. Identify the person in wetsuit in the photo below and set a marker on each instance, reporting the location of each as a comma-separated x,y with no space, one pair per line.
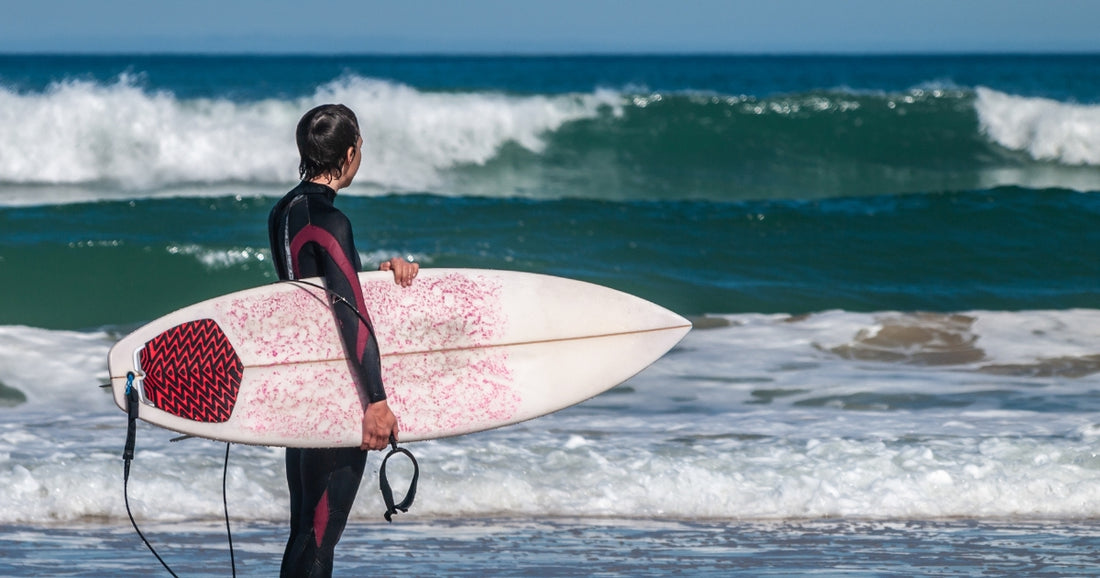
312,238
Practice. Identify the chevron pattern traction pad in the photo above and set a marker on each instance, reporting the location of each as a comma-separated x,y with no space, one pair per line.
191,371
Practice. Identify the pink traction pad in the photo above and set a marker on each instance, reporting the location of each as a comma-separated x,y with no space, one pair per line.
441,376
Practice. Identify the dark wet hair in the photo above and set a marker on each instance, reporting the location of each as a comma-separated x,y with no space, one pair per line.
324,135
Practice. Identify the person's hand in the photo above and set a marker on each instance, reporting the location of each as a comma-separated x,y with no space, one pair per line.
403,271
379,424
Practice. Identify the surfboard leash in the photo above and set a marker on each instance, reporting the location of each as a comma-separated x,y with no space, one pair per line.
132,404
384,482
225,505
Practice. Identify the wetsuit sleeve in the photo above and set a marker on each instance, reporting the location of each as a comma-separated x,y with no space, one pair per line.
330,236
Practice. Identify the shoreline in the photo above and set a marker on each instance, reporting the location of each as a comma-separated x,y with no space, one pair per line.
574,546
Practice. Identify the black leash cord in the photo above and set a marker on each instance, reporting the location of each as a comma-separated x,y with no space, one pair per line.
384,482
132,402
128,455
225,504
337,297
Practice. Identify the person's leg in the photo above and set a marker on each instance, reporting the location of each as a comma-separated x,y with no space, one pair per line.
294,484
323,484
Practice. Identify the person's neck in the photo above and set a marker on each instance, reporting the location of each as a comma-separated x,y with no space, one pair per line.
328,181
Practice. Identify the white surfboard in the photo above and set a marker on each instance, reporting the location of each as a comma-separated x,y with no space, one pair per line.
463,350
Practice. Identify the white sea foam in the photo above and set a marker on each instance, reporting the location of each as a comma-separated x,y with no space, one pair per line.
122,136
871,415
412,135
60,368
1047,130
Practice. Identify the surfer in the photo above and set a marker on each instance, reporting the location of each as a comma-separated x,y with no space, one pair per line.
312,238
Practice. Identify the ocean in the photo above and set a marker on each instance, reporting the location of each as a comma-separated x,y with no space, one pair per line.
892,264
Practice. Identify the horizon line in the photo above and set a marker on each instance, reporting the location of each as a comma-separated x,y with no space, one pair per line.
553,54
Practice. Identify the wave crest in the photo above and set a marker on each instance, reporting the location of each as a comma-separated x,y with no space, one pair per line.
80,140
79,132
1047,130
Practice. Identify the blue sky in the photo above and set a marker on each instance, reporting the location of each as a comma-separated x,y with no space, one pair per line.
555,26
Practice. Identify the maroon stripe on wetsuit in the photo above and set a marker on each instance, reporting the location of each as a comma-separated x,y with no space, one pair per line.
320,519
314,234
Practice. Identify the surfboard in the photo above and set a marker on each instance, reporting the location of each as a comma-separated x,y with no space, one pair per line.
463,350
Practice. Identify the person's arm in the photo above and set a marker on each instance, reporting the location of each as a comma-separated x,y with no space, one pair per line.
340,272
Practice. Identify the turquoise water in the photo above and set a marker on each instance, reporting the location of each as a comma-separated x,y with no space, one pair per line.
892,263
1007,248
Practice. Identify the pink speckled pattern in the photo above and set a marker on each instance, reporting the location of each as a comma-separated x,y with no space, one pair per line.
290,403
440,378
280,328
438,374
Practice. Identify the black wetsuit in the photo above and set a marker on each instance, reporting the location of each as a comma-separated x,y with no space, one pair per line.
312,238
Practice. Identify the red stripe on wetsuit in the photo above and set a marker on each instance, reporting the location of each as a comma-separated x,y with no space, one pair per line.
314,234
